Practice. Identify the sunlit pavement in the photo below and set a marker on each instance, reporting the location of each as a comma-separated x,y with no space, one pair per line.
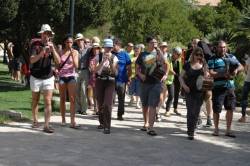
126,145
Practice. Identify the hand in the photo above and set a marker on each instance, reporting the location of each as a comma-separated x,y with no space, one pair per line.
142,77
164,78
186,88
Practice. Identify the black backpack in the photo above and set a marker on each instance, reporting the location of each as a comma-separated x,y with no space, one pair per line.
206,50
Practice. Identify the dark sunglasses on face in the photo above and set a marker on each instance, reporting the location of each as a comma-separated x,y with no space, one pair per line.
198,54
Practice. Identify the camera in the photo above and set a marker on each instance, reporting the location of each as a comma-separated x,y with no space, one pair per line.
46,49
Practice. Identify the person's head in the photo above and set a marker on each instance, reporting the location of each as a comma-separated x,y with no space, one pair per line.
177,51
152,43
108,45
79,39
87,42
164,47
195,42
197,55
96,48
137,50
95,39
67,42
117,44
46,32
142,47
221,48
130,47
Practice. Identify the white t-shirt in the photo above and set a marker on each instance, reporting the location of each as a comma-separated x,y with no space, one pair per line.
247,79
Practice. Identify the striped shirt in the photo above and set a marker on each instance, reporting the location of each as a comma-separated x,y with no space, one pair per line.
222,65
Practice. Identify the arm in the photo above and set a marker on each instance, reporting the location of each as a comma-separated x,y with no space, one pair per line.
182,82
36,57
74,55
56,56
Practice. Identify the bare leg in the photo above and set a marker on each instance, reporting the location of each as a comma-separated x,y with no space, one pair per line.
35,100
62,90
47,101
72,94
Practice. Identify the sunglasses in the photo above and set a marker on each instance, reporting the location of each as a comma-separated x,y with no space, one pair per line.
199,54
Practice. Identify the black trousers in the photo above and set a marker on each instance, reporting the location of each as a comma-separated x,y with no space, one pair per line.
120,90
194,102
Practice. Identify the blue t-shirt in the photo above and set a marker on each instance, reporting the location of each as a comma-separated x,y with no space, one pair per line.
223,64
123,62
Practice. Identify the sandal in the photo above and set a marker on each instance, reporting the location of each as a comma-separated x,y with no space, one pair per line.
75,126
144,128
230,134
215,133
100,127
35,124
48,130
152,133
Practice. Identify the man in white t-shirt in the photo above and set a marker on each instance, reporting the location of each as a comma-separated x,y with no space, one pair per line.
245,91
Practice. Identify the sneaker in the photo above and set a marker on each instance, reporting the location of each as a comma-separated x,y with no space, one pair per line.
106,131
158,118
120,117
167,114
209,122
48,130
138,106
242,119
176,112
100,127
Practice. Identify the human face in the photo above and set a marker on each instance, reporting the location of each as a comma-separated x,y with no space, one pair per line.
222,49
80,43
46,36
137,51
164,49
107,49
96,50
68,43
152,44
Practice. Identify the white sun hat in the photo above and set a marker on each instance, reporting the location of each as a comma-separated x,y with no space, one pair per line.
46,28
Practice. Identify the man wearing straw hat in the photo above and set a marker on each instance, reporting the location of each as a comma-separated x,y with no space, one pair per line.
42,79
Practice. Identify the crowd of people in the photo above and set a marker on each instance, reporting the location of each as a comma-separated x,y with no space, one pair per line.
90,75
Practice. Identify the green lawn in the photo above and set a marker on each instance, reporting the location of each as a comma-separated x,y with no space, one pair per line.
13,95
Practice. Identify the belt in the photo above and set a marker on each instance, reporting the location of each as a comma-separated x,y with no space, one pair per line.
106,78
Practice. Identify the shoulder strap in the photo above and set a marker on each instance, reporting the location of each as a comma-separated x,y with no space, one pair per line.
61,66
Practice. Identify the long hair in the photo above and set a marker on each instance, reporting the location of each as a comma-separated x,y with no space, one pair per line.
68,36
197,50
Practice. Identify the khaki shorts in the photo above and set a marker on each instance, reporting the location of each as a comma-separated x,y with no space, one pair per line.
37,85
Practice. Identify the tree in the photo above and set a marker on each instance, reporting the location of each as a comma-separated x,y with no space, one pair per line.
137,19
204,19
8,11
242,38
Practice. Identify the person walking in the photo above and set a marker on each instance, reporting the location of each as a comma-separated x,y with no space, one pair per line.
149,62
123,76
106,71
223,67
42,79
245,92
67,80
194,97
83,76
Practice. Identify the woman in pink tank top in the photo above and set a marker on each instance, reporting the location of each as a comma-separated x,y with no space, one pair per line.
67,80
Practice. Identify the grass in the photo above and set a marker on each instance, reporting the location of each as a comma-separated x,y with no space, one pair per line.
13,95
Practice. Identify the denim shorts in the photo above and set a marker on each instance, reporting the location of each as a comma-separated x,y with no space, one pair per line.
224,97
150,94
67,80
134,87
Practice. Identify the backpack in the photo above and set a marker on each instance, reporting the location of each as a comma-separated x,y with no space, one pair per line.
206,50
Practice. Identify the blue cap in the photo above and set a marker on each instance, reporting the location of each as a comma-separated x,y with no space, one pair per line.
108,43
